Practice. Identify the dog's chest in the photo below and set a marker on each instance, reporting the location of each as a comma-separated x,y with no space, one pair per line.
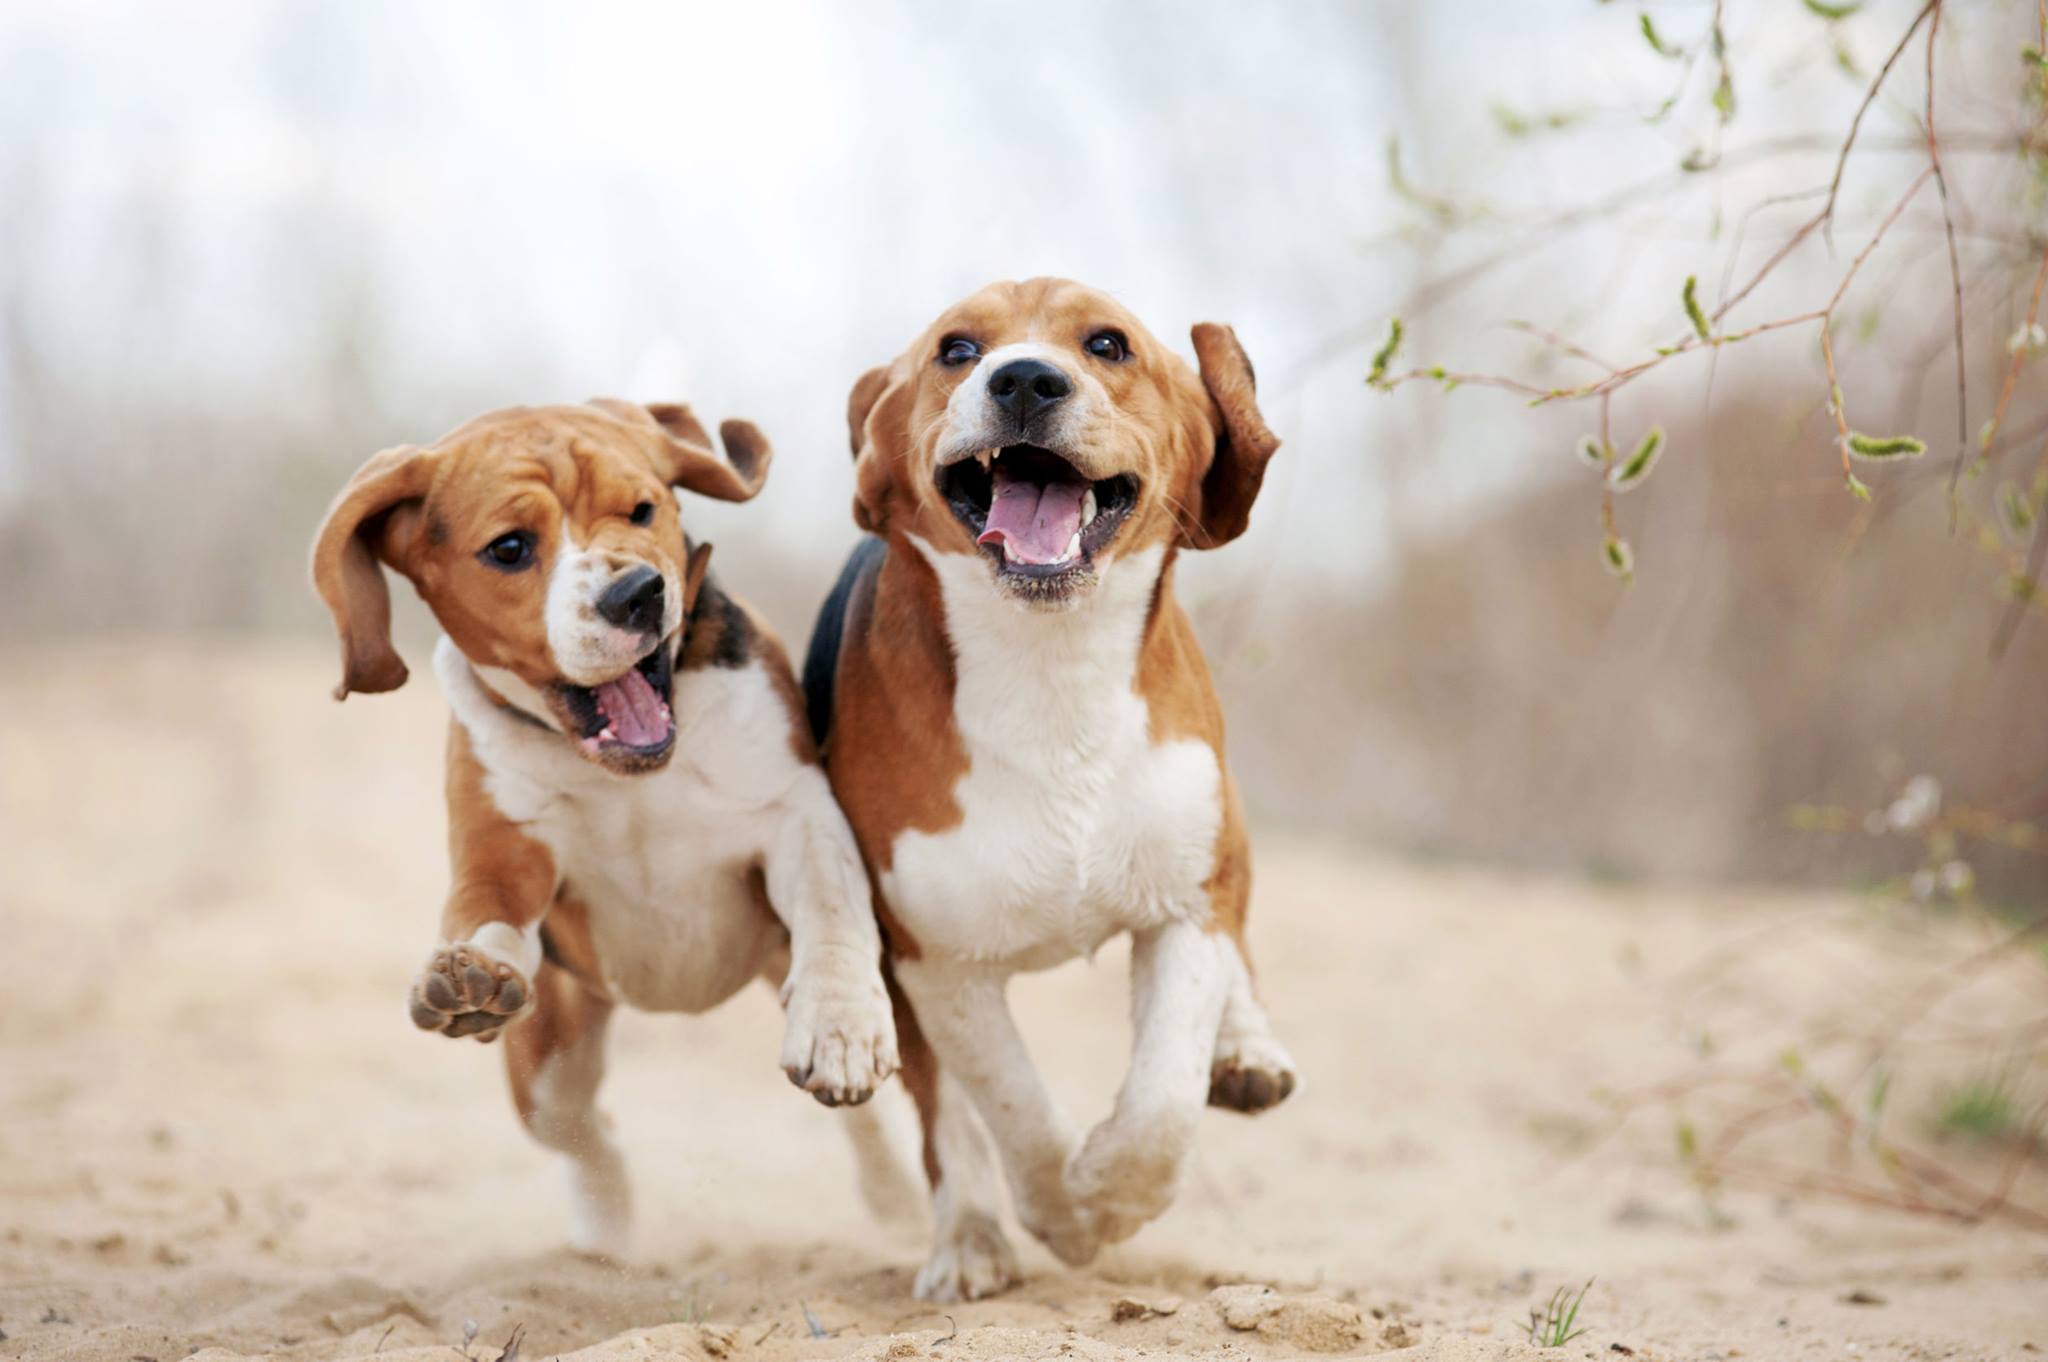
1075,825
663,864
664,876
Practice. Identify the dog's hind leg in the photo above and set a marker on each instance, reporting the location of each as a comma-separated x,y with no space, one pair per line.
554,1057
971,1257
885,1183
1251,1070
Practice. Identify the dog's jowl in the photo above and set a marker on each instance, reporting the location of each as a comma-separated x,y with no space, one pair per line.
636,811
1021,728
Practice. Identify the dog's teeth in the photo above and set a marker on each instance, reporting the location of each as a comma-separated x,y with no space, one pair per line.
1088,508
1073,548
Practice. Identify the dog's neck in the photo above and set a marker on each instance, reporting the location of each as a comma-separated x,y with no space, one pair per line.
1046,679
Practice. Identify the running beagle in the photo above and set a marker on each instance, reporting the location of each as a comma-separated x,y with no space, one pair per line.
636,811
1021,728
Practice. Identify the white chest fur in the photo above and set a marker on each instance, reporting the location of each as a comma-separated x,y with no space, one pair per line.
1075,824
662,861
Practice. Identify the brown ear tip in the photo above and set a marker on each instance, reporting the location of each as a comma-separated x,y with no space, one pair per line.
747,448
372,679
733,430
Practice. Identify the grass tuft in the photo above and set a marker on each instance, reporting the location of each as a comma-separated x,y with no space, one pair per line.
1984,1107
1557,1322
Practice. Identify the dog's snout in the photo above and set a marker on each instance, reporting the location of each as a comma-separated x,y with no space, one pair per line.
1025,387
633,600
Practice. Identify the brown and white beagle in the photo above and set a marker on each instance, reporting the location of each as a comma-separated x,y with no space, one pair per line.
636,810
1020,726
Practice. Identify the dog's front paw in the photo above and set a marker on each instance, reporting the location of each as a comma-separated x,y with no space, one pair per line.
1122,1177
970,1259
465,992
839,1042
1251,1073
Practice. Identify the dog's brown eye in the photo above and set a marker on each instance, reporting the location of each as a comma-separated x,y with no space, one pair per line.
957,350
1108,345
643,514
509,552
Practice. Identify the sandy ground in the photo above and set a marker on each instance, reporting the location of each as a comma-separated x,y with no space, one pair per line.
219,1132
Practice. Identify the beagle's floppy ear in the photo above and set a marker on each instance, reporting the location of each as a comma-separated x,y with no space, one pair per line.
866,428
346,571
1223,506
861,401
698,563
693,464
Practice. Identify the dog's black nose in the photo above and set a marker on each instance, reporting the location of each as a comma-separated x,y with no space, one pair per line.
633,600
1025,387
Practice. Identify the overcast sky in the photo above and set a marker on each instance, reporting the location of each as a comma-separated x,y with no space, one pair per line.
744,205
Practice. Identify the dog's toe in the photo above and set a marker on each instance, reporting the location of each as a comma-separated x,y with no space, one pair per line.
463,992
972,1259
1252,1076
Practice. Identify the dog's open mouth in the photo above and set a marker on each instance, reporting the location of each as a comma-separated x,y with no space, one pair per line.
1033,512
627,719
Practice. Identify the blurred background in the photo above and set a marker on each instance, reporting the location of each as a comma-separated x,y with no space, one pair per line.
243,246
1680,931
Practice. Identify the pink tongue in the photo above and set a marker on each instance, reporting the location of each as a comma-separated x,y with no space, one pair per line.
638,716
1036,521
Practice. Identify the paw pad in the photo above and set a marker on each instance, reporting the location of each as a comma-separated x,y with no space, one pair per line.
462,992
1248,1088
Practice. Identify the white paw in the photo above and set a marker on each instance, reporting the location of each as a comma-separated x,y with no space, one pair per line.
839,1039
970,1260
1048,1212
1123,1176
1251,1072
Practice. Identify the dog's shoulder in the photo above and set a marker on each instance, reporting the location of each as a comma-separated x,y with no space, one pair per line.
729,652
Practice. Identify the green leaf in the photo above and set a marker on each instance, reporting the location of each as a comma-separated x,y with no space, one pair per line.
1657,43
1885,446
1620,559
2019,515
1857,488
1384,356
1833,13
1443,210
1515,123
1880,1089
2034,56
1724,96
1592,451
1639,463
1690,296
